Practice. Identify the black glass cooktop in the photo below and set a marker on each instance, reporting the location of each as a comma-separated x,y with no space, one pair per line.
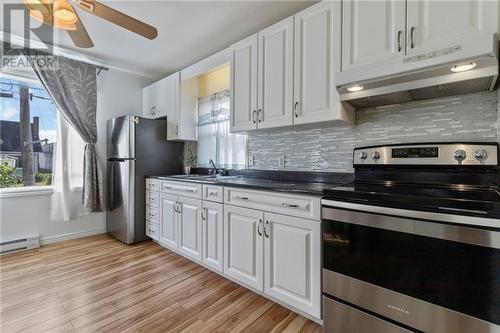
450,199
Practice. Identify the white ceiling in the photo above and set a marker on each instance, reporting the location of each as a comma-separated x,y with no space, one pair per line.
188,31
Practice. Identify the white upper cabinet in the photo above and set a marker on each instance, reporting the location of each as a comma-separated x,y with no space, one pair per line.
317,58
275,79
372,31
154,100
284,75
175,100
383,31
292,261
244,85
434,25
189,211
173,83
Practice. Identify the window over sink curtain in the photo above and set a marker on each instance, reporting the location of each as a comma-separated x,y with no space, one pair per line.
227,150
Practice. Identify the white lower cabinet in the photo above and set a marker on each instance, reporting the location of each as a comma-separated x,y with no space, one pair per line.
212,220
168,220
292,261
276,254
189,217
243,245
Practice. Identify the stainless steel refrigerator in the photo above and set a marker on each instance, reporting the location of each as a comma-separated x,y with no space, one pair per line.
137,147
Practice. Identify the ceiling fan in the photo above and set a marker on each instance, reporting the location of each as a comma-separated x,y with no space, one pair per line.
60,14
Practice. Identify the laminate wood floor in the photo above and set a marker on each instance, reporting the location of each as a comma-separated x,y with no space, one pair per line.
97,284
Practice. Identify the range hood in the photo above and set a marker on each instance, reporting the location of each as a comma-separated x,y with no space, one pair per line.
423,76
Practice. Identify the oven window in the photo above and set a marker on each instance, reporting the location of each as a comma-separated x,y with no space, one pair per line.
458,276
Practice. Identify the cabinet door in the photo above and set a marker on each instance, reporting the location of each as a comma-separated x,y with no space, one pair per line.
292,261
147,101
160,98
372,31
433,25
244,85
212,245
317,58
173,105
168,220
243,245
275,79
190,227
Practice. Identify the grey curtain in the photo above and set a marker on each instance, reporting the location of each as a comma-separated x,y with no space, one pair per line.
73,87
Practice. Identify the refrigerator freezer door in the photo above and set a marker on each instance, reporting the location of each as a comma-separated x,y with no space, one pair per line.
121,137
121,213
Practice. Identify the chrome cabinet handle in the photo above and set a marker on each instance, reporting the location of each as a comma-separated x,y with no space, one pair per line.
399,40
266,233
240,198
285,204
253,116
203,217
258,115
412,37
189,190
166,187
179,208
175,207
211,194
295,109
259,227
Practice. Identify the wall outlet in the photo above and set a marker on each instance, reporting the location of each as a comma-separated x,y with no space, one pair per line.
251,160
281,161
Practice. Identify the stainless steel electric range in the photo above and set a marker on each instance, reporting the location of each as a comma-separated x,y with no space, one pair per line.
413,244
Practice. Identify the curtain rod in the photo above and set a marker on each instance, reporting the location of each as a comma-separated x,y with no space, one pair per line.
101,68
63,54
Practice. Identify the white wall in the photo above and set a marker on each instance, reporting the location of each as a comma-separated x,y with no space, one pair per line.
119,93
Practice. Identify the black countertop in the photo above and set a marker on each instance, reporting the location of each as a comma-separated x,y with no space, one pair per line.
309,183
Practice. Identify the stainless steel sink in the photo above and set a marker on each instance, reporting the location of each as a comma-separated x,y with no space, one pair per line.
203,178
194,177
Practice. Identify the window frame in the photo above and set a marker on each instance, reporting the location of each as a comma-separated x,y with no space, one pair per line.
24,191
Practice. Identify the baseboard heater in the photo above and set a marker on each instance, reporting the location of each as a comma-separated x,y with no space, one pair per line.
21,244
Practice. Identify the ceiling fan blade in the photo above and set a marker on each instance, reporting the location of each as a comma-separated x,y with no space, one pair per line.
80,37
118,18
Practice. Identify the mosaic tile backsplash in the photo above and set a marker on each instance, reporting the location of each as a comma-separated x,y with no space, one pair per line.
473,117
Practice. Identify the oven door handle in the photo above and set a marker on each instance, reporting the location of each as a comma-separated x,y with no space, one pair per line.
462,234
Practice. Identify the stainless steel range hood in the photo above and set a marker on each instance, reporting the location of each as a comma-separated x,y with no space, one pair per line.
423,76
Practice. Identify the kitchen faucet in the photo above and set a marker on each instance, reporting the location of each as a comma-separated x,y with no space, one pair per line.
214,169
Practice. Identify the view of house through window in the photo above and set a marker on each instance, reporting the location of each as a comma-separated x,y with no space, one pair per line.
28,133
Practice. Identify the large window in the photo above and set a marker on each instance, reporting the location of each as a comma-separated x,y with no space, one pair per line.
28,133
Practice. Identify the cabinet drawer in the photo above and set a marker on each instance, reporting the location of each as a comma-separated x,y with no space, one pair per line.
153,184
152,213
213,193
152,198
289,204
152,230
185,189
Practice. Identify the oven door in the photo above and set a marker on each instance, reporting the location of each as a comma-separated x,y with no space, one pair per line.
425,275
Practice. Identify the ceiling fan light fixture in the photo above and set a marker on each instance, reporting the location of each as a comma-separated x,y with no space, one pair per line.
38,7
40,10
64,15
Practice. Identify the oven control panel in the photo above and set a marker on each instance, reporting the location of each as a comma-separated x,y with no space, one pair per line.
429,154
